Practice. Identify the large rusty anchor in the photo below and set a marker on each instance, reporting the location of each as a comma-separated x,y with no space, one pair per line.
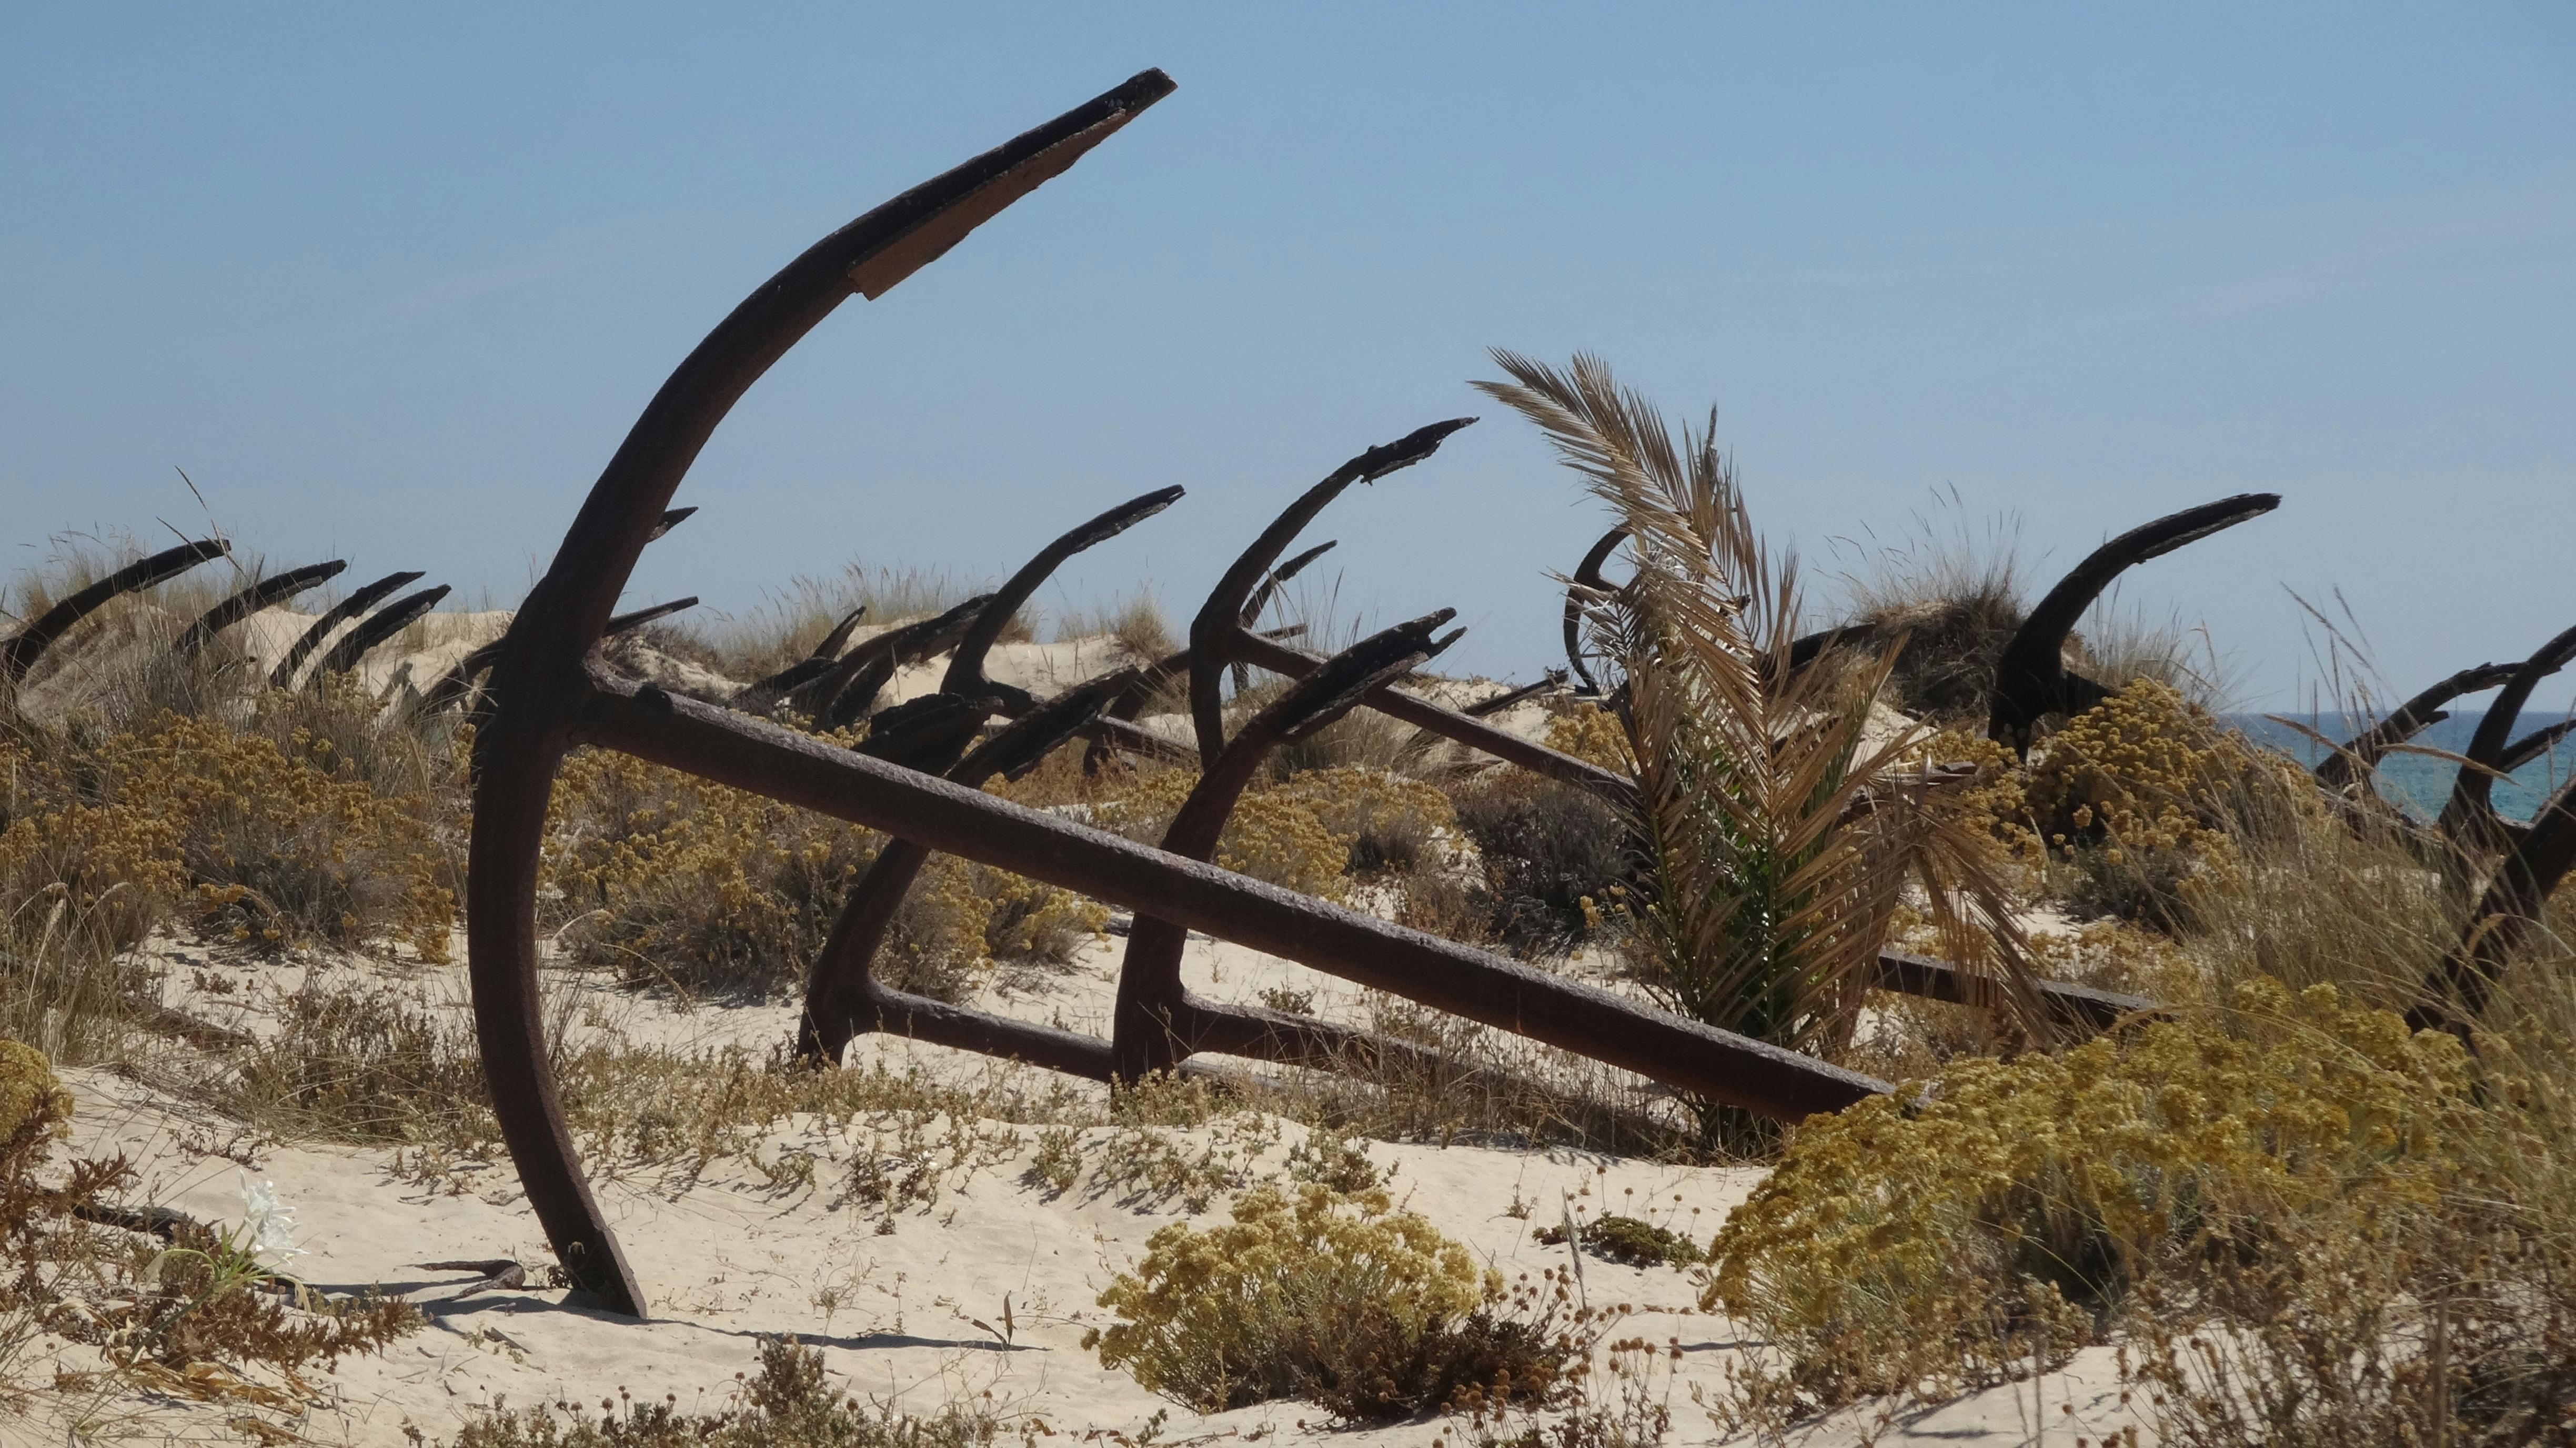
549,696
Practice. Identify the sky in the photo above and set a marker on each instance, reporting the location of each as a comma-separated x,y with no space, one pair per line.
391,283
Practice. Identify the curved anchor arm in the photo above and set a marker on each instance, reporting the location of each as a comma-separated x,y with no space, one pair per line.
383,624
1131,703
1219,624
2361,754
1278,576
1808,648
453,685
2468,818
2506,918
814,664
23,648
965,676
539,679
750,754
843,693
332,617
1587,577
1152,1026
269,591
1476,734
2533,745
1549,682
2031,680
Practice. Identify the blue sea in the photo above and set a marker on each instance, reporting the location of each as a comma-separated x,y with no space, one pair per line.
2420,783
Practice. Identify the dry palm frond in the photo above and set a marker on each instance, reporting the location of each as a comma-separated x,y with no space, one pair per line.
1775,847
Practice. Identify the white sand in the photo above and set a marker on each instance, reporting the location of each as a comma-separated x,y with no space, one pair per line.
725,1256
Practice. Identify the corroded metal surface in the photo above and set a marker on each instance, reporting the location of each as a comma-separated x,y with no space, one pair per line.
1587,579
20,652
266,593
750,754
2505,919
2358,756
332,617
1217,631
2032,680
379,626
2468,817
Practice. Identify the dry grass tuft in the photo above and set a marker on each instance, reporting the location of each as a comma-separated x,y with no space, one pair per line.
785,1404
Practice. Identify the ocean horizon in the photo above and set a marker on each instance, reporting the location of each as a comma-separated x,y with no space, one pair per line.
2420,783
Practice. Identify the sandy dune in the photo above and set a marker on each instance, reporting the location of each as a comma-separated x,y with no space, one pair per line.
726,1256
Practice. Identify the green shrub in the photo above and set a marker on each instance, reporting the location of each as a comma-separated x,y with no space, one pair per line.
1630,1241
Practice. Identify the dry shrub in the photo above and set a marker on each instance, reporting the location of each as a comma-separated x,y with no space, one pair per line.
2314,901
1395,825
675,881
362,1065
1274,834
102,874
154,1310
1553,858
1136,621
283,845
1341,1299
785,1404
1594,735
1029,922
670,879
35,1111
1955,592
1931,1249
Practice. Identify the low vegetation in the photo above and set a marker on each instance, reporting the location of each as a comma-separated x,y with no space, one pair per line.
786,1404
1340,1299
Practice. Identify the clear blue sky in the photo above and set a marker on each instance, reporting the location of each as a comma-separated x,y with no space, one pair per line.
391,283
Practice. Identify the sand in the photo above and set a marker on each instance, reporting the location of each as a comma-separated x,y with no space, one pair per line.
912,1315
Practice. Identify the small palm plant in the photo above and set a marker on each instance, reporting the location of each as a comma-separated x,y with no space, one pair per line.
1775,838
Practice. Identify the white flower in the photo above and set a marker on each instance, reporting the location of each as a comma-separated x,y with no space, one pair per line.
271,1222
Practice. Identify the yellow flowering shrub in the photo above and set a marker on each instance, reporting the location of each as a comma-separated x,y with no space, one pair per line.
672,878
281,847
1394,823
1025,919
2144,769
1927,1248
1273,834
112,871
1593,734
1263,1307
1995,805
34,1108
